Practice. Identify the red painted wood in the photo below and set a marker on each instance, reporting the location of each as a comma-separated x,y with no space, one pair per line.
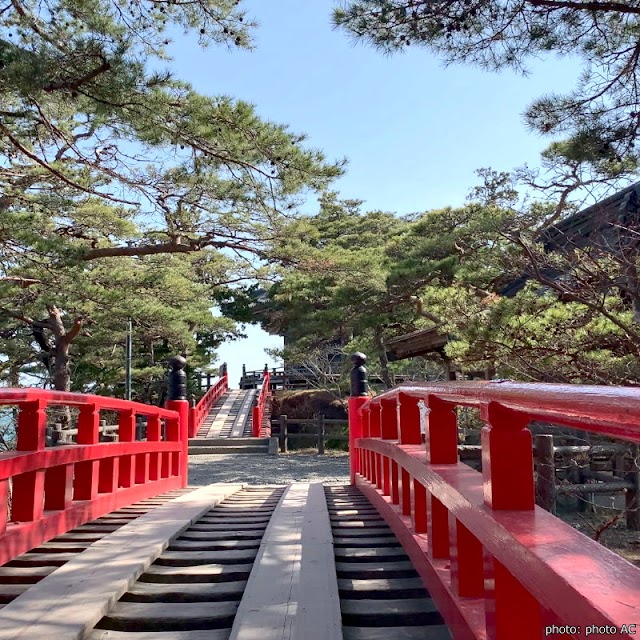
27,502
395,483
375,427
58,488
20,538
389,419
258,410
507,459
355,431
467,562
409,419
142,468
366,422
571,576
405,484
198,413
373,471
464,617
386,476
438,528
419,511
4,505
85,483
379,470
441,437
600,409
127,433
517,612
179,430
109,475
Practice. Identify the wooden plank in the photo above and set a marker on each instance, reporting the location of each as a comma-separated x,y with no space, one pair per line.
239,423
210,634
194,558
185,592
68,603
292,592
216,425
169,616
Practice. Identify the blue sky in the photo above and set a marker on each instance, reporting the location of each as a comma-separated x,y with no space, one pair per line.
413,131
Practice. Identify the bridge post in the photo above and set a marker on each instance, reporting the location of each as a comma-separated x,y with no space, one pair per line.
359,395
177,401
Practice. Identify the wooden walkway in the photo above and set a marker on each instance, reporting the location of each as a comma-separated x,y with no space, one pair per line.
231,417
297,562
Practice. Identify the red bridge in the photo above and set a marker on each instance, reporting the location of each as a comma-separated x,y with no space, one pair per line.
106,540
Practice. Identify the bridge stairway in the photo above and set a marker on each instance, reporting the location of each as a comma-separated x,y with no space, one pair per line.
224,562
227,428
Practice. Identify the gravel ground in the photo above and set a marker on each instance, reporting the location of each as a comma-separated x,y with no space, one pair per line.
262,469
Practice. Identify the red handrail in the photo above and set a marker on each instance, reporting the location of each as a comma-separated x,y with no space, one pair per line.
198,413
258,409
497,566
56,489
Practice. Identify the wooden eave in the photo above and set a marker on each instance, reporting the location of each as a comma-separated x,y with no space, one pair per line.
416,343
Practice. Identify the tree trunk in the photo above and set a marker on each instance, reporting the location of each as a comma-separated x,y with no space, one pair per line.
61,366
382,356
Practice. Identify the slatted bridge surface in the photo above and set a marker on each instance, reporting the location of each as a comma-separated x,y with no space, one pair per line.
219,562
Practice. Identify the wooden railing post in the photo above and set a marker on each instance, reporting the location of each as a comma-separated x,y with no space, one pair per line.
441,435
321,432
359,395
87,473
284,435
507,459
177,401
28,488
408,419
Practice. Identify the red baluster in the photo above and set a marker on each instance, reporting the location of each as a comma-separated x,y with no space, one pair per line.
395,488
409,419
441,437
126,433
28,488
437,528
419,507
467,572
405,486
85,484
507,459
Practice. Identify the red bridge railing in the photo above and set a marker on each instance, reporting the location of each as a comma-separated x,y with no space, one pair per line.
258,409
198,413
56,489
497,566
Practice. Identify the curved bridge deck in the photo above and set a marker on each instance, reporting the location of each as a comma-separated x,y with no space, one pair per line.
219,562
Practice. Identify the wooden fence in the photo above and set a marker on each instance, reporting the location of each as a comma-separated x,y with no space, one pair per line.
319,421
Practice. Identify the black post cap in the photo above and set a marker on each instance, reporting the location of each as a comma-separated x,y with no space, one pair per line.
177,378
359,385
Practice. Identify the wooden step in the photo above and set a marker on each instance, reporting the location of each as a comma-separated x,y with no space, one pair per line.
211,634
227,450
200,573
381,589
380,554
390,613
195,558
169,616
388,540
184,592
214,545
248,534
431,632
